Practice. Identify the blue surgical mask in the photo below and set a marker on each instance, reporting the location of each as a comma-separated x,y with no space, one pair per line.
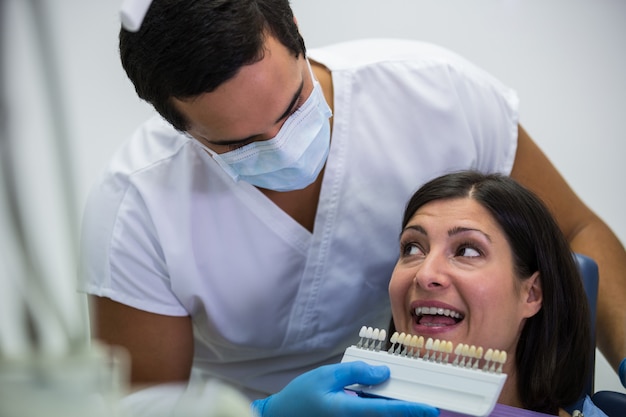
292,159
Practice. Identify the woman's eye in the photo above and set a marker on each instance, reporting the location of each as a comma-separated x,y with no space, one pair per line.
468,252
411,249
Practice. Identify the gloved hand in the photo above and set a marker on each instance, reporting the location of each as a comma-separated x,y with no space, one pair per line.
320,393
622,372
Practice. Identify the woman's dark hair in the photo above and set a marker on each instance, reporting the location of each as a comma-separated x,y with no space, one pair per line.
188,47
553,354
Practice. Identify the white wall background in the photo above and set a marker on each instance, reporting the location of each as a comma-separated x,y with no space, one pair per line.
566,59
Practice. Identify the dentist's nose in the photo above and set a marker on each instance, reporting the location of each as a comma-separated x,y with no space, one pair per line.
431,273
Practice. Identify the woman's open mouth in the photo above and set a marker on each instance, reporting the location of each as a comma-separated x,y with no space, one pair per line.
436,317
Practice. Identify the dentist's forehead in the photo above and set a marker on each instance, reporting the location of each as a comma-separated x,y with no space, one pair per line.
249,103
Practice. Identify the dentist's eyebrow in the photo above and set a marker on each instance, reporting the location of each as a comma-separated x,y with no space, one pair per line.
293,103
235,142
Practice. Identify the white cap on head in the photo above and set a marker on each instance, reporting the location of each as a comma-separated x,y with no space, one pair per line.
132,13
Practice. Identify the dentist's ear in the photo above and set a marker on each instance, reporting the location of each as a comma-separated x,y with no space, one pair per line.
533,294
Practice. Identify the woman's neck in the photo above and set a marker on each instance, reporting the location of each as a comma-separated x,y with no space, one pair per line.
510,393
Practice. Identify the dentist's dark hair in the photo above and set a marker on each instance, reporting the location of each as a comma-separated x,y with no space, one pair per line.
188,47
553,354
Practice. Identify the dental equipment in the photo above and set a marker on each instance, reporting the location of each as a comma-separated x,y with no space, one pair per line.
48,365
461,380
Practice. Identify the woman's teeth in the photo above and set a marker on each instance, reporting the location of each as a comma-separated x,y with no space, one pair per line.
432,311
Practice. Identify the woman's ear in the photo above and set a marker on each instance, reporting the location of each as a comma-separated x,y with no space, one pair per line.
532,295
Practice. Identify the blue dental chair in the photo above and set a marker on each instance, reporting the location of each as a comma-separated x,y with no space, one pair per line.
612,403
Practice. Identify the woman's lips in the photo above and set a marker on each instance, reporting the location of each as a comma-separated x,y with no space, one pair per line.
434,318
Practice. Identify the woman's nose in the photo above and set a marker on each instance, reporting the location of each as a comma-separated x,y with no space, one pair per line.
432,272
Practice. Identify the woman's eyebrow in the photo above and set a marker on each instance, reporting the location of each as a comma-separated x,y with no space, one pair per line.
452,232
459,230
416,228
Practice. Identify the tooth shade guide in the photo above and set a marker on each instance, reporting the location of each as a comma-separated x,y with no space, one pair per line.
362,336
446,349
461,386
479,355
494,360
382,336
433,350
414,349
428,347
471,355
501,361
374,337
405,345
401,338
368,336
393,340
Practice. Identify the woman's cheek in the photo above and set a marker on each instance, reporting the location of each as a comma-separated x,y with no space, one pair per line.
398,291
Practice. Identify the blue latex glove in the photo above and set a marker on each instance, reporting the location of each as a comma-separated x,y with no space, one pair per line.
622,372
320,393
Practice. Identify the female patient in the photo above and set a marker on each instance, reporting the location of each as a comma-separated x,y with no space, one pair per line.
487,254
485,249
